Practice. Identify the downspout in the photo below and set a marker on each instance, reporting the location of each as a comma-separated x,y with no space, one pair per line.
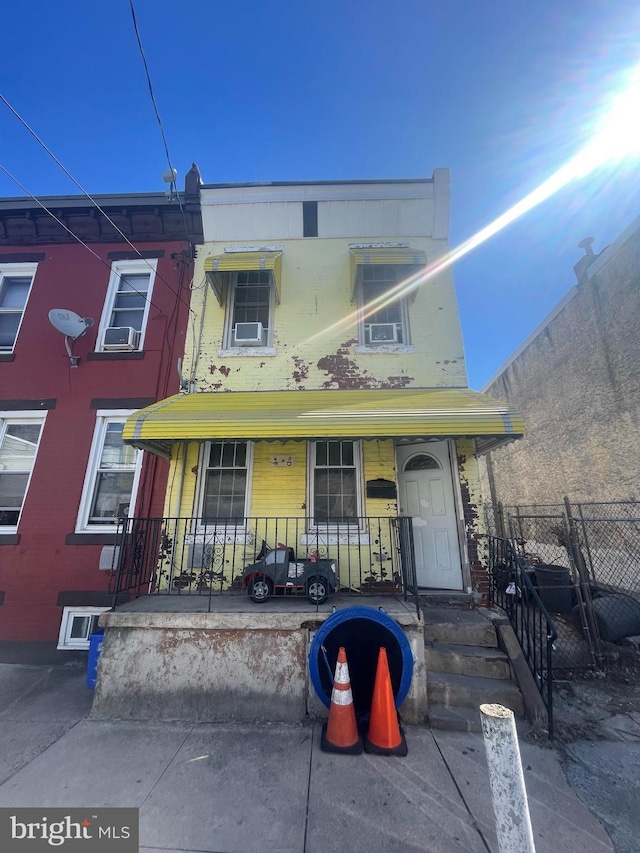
183,465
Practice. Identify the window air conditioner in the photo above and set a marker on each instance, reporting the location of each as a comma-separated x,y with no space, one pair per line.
120,338
380,333
109,558
248,333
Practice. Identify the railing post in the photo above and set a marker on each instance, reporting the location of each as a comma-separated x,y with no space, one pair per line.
508,792
121,539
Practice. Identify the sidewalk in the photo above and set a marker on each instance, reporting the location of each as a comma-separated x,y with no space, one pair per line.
226,788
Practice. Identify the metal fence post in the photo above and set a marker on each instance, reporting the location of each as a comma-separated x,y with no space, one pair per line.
508,792
500,520
584,589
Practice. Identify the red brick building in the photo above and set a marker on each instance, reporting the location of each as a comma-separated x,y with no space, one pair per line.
65,475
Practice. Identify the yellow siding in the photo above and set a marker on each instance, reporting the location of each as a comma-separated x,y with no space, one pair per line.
469,473
315,332
279,490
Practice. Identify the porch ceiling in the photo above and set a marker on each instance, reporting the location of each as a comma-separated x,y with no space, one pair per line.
303,415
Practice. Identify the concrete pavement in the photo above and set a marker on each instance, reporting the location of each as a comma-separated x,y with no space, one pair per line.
222,788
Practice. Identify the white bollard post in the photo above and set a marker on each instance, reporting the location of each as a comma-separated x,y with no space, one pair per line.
509,795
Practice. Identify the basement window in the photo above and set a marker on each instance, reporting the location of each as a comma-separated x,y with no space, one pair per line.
78,623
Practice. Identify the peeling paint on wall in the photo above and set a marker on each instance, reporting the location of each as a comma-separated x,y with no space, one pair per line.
469,478
344,372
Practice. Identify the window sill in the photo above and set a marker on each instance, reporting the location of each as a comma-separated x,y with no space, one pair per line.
125,355
387,349
336,538
90,538
6,356
9,538
233,352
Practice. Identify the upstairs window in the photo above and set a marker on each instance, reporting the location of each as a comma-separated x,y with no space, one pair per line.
225,472
15,286
126,309
382,323
335,484
19,439
251,309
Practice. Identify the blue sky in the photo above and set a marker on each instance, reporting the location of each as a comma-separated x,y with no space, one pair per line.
503,92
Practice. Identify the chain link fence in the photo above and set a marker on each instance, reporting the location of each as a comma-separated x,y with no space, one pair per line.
584,559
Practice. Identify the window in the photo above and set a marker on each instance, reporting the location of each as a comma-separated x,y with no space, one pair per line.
19,439
382,323
422,462
335,481
112,476
309,218
78,623
126,307
225,474
251,309
15,286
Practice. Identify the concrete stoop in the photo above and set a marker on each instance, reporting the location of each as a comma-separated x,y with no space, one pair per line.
465,669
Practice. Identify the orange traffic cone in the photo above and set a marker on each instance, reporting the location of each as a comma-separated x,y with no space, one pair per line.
340,733
385,737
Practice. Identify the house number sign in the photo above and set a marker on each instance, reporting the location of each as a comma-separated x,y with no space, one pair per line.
282,461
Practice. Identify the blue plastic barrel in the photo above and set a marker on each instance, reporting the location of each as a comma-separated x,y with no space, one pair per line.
95,647
362,631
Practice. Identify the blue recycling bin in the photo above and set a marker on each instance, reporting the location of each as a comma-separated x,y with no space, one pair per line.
95,647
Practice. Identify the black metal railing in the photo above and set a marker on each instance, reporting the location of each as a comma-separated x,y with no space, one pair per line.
186,556
511,588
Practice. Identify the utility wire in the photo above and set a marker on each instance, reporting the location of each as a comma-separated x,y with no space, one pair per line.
157,112
91,199
75,236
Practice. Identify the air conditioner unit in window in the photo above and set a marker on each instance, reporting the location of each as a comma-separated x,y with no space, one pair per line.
248,333
383,333
120,338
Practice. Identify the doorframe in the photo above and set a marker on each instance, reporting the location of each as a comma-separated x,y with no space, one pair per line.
459,511
458,504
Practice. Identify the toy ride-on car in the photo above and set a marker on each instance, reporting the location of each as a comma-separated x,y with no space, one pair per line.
279,573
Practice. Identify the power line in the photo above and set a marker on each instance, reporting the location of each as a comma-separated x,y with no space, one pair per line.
75,237
157,112
91,199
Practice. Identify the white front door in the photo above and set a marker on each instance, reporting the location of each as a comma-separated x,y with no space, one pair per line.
426,494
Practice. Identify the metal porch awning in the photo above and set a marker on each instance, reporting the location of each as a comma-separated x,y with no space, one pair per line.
328,414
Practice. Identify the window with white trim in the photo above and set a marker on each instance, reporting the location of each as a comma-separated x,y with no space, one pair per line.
382,321
250,309
78,624
225,481
126,308
19,440
112,476
15,287
335,482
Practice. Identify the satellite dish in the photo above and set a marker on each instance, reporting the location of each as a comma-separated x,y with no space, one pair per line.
72,326
69,323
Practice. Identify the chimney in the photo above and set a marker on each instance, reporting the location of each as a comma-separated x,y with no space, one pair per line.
192,181
585,261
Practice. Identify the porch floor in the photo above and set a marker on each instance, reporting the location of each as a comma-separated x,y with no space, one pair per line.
172,603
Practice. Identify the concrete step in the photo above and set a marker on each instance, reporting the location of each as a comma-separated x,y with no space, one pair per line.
467,660
454,719
460,627
467,691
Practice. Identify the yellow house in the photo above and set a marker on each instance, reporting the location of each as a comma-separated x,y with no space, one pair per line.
324,403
